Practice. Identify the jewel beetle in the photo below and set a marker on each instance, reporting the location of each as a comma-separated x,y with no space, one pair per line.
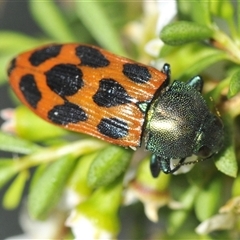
86,89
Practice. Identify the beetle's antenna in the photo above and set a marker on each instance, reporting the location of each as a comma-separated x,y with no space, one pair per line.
190,162
215,109
193,162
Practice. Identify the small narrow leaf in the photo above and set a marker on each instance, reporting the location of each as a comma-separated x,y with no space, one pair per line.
222,9
144,177
236,187
52,21
78,179
28,125
50,154
203,63
201,12
108,165
15,42
227,162
11,143
238,15
46,192
13,195
7,171
209,198
95,19
178,217
102,207
4,61
198,11
234,86
185,67
183,32
37,174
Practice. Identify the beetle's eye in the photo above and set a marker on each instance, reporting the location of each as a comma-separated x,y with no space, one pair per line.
204,152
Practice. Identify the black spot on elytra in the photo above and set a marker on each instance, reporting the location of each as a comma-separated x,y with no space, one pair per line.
41,55
64,79
113,127
136,73
91,57
67,113
110,93
30,90
11,66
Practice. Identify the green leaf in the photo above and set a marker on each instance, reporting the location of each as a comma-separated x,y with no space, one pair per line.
207,202
183,32
7,171
16,42
208,59
191,59
102,207
51,20
4,61
50,154
37,174
199,11
108,165
234,86
213,97
227,163
13,195
144,177
236,187
78,179
238,16
11,143
178,217
223,9
46,192
28,125
226,159
130,11
93,16
184,10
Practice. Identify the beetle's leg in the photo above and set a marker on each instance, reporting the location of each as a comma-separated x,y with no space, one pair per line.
155,165
196,82
158,164
165,165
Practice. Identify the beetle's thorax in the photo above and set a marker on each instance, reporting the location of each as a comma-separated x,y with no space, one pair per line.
175,120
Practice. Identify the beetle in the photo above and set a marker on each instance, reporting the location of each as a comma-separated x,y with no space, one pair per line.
87,89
